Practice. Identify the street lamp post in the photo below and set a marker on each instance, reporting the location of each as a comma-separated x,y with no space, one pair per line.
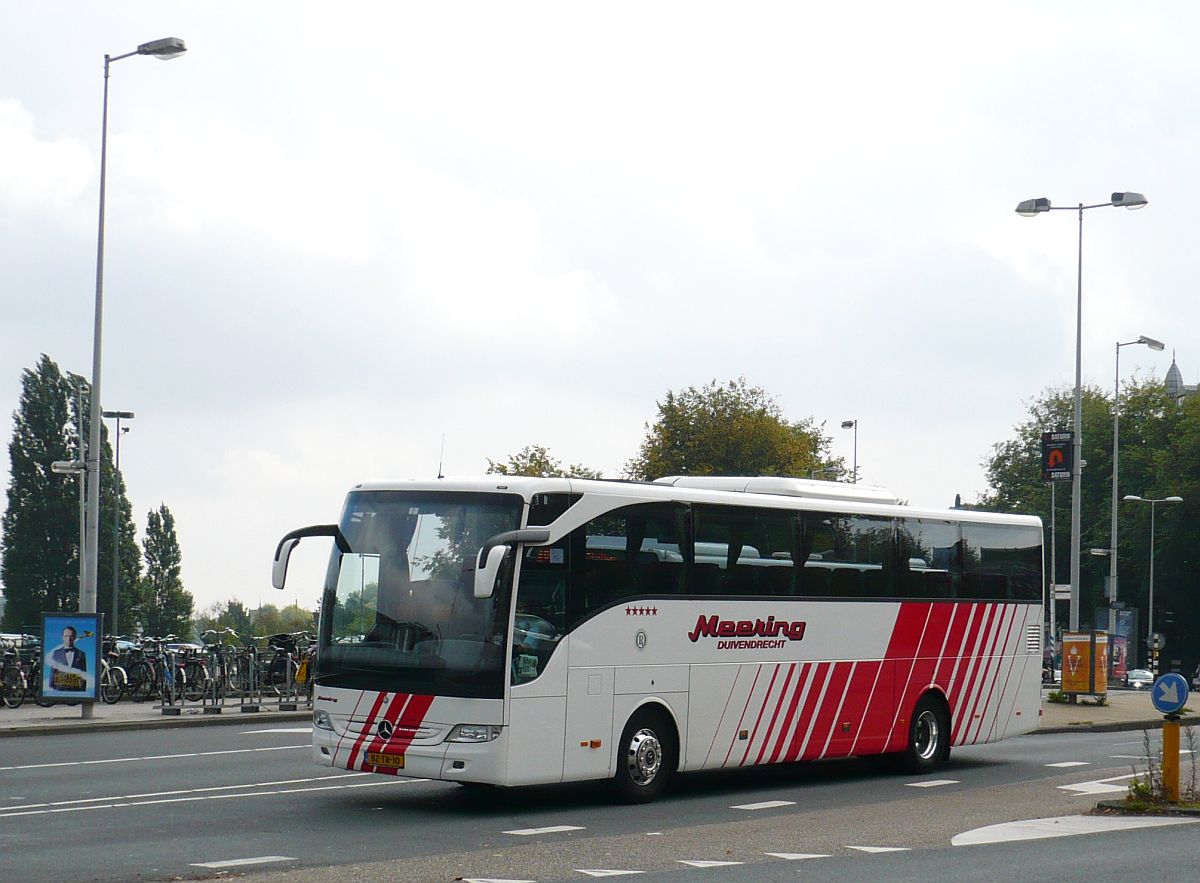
1133,498
1030,208
119,416
853,424
164,49
1111,589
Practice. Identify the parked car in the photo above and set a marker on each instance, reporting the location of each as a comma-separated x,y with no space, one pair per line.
1138,678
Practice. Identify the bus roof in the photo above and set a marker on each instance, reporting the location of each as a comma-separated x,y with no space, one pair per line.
824,496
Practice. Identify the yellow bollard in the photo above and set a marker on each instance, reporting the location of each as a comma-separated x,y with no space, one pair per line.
1170,758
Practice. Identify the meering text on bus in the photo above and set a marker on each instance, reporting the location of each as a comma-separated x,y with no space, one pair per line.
715,627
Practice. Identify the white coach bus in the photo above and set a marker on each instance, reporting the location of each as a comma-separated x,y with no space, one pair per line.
514,631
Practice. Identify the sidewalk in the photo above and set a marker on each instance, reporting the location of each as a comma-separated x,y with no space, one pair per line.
1126,710
31,719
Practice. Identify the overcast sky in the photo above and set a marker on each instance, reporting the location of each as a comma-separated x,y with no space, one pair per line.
337,233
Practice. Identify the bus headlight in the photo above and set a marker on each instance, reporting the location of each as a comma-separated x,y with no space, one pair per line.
474,733
321,720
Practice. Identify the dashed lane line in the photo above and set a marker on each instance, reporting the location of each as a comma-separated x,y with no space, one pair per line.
238,862
766,804
1099,786
796,856
932,783
696,863
878,849
602,872
551,829
1068,763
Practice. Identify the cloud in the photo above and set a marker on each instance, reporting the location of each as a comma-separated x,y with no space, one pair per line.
38,176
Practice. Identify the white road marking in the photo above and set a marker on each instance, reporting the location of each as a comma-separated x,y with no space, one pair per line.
43,766
931,783
1069,763
552,829
1063,826
494,880
875,849
1099,786
702,864
797,856
236,862
307,729
597,872
766,804
132,800
654,833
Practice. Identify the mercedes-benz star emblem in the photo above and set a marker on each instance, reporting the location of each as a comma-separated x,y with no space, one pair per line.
385,730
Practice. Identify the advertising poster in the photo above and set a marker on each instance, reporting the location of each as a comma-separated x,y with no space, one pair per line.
70,656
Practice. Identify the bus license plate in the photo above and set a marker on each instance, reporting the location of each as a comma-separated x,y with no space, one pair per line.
391,761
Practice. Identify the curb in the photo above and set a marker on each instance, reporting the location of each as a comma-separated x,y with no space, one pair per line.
1118,727
165,722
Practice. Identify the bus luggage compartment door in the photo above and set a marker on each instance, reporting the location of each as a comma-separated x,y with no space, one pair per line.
589,723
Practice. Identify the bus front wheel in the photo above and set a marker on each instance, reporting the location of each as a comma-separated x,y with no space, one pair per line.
928,736
646,758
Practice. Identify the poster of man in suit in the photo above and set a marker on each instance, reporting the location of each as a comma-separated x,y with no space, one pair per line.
70,656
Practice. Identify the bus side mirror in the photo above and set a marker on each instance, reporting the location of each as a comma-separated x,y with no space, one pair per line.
279,566
485,576
284,550
491,556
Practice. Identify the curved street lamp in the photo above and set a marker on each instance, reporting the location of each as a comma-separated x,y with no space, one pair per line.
1030,208
164,49
1134,498
1157,346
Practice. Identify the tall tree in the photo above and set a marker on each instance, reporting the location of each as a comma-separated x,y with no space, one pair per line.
728,429
536,461
40,563
166,607
40,566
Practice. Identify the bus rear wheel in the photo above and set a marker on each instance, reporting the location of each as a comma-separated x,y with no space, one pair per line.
647,757
928,736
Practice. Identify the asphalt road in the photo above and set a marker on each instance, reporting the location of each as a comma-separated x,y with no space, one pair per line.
246,799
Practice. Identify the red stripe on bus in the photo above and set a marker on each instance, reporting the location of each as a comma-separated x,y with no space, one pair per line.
761,710
853,710
823,724
820,675
783,695
995,663
377,743
366,729
962,667
978,653
907,639
789,718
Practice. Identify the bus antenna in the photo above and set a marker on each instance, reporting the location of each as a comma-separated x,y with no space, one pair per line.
442,456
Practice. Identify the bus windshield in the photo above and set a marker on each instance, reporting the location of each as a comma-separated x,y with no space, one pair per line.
398,611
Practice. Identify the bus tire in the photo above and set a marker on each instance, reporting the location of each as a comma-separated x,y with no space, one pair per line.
646,757
928,736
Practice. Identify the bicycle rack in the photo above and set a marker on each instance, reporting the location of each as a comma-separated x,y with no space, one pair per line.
288,691
171,687
250,700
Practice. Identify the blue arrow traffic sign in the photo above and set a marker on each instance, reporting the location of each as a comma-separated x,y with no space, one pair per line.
1169,693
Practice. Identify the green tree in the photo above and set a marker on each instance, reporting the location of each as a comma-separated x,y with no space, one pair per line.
40,565
166,606
728,429
1160,456
536,461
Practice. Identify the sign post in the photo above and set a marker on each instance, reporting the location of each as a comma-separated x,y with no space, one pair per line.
1169,695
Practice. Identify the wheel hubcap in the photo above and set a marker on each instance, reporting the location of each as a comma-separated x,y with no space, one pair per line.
644,757
928,735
